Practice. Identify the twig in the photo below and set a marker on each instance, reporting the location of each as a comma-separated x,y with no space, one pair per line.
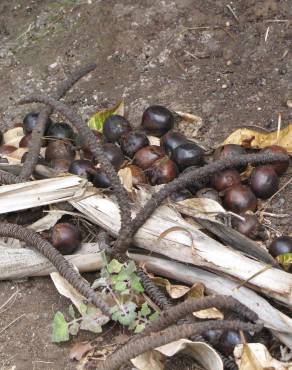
232,12
12,322
266,34
13,296
39,130
279,127
154,340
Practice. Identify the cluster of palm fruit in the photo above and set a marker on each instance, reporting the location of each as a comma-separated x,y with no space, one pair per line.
160,164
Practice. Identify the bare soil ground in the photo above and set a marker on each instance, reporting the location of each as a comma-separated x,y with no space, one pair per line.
193,56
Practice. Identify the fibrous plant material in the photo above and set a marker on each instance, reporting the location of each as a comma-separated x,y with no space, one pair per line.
38,132
62,265
181,310
153,291
94,144
141,345
7,178
183,181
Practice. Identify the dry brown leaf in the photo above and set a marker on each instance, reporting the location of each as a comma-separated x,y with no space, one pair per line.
174,291
255,356
199,207
197,291
13,136
204,354
254,139
125,175
79,350
210,314
15,157
188,117
153,140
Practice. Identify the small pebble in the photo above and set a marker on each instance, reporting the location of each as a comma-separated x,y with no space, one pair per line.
289,103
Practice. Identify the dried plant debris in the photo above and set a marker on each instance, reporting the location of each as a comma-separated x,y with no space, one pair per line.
158,190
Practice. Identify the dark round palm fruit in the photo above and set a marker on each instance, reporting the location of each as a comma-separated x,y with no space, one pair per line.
188,154
281,245
82,168
209,193
26,140
239,199
172,140
132,142
59,149
114,127
279,167
146,156
230,151
61,165
100,179
138,175
157,120
249,227
6,149
65,237
181,195
113,154
162,171
228,340
264,181
224,179
61,130
212,336
30,121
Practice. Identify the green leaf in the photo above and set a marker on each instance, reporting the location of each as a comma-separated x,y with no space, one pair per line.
114,266
145,310
130,268
120,286
60,328
126,319
122,276
90,324
154,316
71,311
83,309
74,328
96,122
285,260
136,285
139,328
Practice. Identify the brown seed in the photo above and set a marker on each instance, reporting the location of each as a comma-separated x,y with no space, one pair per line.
264,181
224,179
146,156
239,199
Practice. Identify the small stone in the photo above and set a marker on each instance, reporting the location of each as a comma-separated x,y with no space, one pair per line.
289,103
224,86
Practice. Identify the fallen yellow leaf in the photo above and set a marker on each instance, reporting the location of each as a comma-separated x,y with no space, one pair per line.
254,139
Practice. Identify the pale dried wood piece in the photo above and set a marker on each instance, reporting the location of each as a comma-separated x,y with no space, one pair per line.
18,263
193,247
37,193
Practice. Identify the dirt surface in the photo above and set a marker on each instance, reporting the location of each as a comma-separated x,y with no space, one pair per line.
193,56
